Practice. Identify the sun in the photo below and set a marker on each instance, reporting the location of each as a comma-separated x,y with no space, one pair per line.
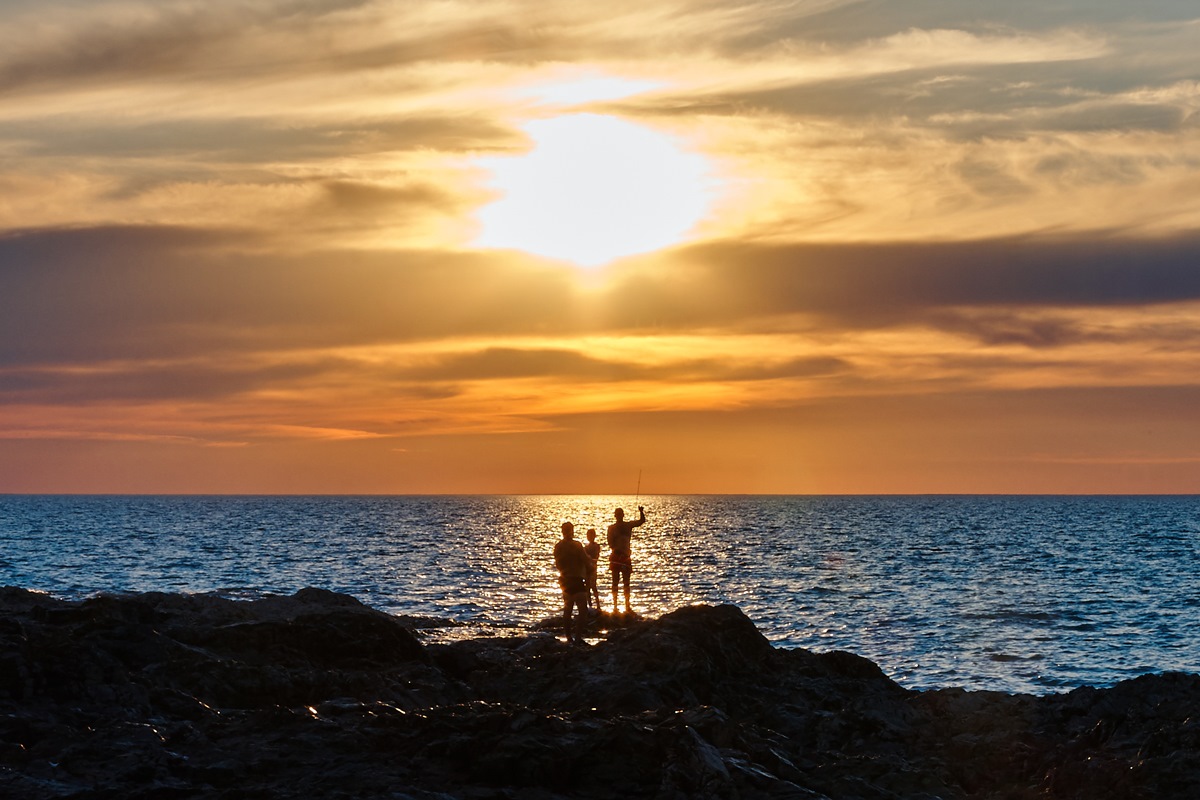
595,188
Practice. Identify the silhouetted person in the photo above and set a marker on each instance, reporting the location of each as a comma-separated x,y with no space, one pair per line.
572,564
620,560
592,548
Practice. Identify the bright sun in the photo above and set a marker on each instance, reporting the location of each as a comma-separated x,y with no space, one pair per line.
595,188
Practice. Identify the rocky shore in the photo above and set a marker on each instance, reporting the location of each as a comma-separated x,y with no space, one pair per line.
318,696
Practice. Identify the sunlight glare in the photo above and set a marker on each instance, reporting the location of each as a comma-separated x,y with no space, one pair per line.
595,188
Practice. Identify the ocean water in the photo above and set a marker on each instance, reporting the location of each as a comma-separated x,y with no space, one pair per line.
1030,594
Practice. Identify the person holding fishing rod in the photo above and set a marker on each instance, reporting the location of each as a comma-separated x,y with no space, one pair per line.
620,560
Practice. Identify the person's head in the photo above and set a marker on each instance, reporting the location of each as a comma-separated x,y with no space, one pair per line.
619,514
568,530
591,534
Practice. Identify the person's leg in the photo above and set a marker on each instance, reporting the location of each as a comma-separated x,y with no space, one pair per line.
616,579
568,601
628,608
581,603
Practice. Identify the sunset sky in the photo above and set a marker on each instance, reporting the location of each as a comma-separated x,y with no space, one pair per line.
536,246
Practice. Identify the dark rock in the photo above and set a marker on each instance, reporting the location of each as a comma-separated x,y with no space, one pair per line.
316,695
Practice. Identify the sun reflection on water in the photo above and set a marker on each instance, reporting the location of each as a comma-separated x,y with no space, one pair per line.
511,557
650,550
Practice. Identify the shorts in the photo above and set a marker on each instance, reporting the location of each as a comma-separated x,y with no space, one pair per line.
620,564
572,585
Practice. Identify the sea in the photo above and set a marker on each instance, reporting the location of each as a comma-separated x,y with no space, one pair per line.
1033,594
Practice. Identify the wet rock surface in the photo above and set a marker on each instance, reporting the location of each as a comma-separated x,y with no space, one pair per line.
318,696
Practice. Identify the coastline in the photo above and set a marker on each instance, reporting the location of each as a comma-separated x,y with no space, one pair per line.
318,695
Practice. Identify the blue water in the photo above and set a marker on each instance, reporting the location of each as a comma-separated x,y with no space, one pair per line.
1031,594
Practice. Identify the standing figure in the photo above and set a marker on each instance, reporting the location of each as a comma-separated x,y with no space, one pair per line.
571,561
620,560
592,548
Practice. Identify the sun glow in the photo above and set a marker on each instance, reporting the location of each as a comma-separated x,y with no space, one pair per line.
593,189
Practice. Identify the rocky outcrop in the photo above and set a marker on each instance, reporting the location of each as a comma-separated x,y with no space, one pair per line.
318,696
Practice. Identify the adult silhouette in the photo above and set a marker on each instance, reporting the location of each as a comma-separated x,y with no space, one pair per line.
572,564
620,560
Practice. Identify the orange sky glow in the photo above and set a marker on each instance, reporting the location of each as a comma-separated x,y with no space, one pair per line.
827,246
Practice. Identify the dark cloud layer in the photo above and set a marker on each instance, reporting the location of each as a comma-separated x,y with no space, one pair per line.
886,283
108,293
139,292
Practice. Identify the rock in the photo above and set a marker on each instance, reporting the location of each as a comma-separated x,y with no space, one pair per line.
317,695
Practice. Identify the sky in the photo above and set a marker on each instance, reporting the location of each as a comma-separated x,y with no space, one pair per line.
537,246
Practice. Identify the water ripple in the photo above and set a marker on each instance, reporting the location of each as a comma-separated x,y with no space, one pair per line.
1013,593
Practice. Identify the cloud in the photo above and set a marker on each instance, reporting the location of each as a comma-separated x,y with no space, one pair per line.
250,140
197,380
879,18
511,362
231,42
1006,327
149,292
570,365
66,44
885,283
